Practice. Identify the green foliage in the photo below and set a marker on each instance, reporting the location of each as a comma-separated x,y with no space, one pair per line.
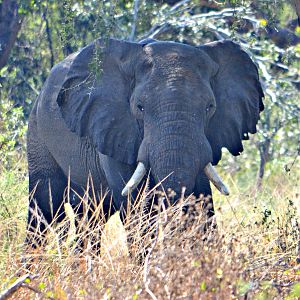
13,198
12,133
52,29
67,32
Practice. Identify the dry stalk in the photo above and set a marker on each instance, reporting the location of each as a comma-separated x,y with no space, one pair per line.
147,263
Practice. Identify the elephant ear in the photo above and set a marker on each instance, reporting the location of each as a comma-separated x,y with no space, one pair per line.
238,95
94,99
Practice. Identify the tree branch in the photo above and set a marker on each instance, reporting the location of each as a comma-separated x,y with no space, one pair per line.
158,28
135,17
18,283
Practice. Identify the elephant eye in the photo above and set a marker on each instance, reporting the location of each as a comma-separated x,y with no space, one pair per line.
140,107
209,108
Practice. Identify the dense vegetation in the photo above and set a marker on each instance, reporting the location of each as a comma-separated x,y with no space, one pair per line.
254,254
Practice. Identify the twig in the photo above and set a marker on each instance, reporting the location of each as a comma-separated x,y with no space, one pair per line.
220,14
275,284
135,17
202,18
179,4
18,283
31,86
288,169
158,28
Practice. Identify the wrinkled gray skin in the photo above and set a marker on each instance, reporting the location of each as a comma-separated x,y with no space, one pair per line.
168,105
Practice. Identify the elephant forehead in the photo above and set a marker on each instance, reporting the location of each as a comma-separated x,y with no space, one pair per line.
171,54
170,50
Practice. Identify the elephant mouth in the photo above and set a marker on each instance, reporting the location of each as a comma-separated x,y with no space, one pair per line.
141,170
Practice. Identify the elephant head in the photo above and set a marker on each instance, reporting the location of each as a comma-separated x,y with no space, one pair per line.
165,106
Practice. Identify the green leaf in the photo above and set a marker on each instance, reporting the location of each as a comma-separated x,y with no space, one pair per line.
82,292
203,286
27,280
42,285
195,263
135,296
3,71
243,287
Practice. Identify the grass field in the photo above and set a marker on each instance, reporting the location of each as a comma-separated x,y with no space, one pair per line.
252,256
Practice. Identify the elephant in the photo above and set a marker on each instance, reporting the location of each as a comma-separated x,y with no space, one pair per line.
119,111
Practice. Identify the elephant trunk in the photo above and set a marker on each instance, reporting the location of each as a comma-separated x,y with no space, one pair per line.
175,162
178,151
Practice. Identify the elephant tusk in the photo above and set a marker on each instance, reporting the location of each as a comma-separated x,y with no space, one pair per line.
135,179
213,176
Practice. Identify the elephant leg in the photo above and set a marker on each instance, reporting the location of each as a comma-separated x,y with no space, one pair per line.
92,207
117,174
47,184
45,204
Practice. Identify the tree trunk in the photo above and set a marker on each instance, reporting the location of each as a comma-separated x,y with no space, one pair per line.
264,157
296,5
10,25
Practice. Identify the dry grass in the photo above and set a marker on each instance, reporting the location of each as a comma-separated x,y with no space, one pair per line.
251,256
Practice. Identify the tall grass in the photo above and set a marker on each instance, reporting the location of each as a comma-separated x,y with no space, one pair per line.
252,254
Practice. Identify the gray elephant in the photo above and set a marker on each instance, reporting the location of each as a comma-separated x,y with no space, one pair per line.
162,109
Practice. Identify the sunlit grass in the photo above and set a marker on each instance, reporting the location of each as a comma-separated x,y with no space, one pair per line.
253,253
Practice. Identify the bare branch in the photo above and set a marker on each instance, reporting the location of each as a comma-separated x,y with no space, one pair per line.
158,28
18,283
36,92
135,17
